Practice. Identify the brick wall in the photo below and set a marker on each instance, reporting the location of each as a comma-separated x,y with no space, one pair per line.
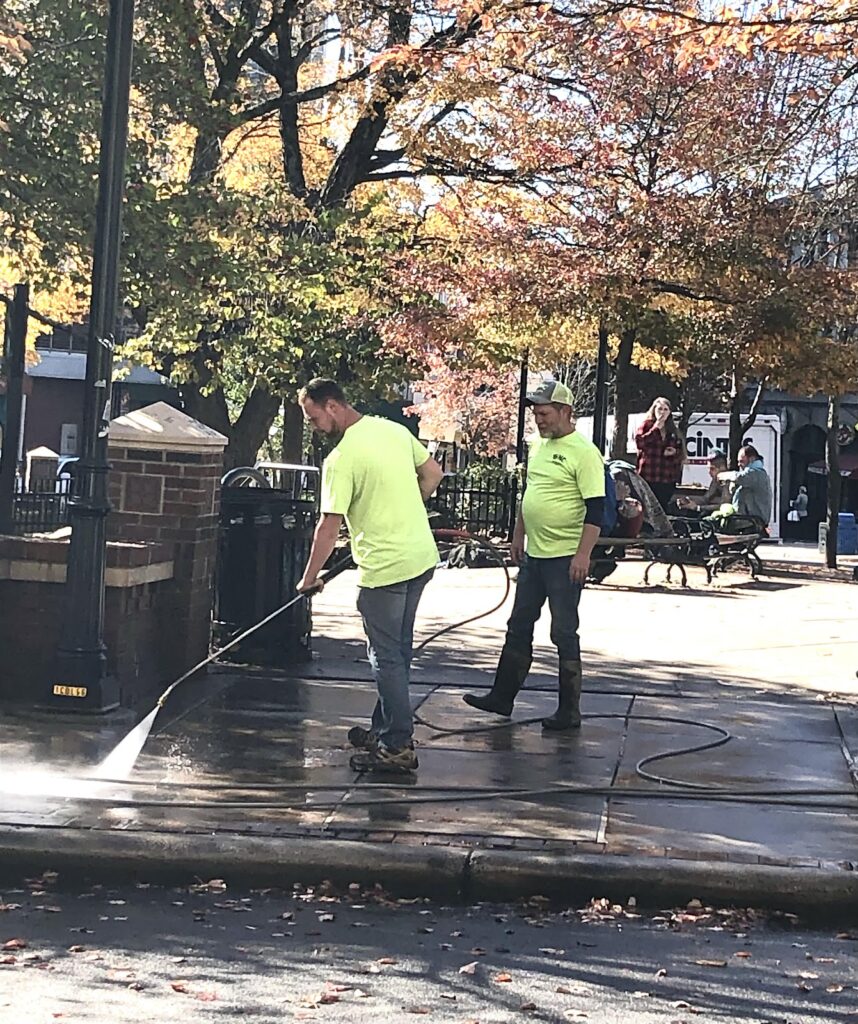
33,606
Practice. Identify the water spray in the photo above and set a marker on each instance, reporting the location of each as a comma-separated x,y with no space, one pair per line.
122,758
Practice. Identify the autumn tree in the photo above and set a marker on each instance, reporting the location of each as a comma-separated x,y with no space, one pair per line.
261,134
472,404
661,212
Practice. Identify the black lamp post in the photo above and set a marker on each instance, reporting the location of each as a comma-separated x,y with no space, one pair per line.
600,412
81,681
522,406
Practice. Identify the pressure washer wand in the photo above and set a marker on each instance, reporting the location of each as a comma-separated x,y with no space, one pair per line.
324,578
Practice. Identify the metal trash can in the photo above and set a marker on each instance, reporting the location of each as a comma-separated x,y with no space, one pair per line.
265,538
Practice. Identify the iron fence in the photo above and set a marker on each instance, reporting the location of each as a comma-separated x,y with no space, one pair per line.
484,507
42,508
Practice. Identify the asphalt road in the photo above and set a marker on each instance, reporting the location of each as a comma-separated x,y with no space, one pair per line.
208,953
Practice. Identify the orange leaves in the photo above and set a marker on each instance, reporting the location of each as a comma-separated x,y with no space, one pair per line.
397,56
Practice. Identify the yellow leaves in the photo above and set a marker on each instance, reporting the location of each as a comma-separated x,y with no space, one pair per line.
252,157
648,359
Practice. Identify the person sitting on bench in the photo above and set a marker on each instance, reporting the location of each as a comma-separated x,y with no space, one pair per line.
718,494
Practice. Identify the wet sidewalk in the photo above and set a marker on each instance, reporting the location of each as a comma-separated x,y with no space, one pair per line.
262,752
290,734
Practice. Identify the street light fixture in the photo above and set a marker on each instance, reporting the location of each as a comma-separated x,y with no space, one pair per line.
81,681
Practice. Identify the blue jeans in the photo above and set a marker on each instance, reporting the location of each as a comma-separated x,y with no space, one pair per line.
388,620
538,579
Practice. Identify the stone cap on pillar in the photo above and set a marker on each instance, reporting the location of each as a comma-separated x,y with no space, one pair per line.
160,426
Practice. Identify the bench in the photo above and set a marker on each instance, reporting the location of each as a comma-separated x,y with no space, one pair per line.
695,542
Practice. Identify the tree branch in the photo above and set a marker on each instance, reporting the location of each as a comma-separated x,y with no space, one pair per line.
386,157
674,288
751,418
300,96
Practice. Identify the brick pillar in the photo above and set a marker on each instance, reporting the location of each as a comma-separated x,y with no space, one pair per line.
164,484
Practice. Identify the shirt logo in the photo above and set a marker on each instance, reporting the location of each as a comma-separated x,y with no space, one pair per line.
557,457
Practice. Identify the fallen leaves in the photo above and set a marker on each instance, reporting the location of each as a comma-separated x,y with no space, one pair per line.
470,968
711,963
503,978
213,885
15,944
204,996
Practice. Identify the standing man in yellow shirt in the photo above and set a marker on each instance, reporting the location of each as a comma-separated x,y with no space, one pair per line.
377,478
557,526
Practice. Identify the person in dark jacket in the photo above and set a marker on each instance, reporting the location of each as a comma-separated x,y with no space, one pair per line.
718,494
660,451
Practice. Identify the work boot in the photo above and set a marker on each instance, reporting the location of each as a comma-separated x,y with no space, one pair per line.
511,673
381,758
363,739
568,713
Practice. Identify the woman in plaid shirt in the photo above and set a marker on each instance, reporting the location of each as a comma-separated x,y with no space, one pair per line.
660,451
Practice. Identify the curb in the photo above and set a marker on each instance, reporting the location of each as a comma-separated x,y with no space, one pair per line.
662,881
171,857
437,871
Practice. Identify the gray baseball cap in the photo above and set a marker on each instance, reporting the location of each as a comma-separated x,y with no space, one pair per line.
550,392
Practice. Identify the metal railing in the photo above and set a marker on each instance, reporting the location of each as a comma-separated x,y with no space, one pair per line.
484,507
42,508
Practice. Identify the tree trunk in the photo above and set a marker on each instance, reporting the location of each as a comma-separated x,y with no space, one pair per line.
251,428
622,368
290,139
832,465
353,161
751,418
739,427
735,431
247,435
292,448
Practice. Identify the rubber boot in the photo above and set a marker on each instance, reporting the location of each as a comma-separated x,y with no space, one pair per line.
568,713
511,673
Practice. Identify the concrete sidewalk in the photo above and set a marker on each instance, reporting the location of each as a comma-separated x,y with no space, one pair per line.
665,665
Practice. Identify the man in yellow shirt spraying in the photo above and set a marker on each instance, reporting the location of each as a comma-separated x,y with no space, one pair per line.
557,526
377,479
